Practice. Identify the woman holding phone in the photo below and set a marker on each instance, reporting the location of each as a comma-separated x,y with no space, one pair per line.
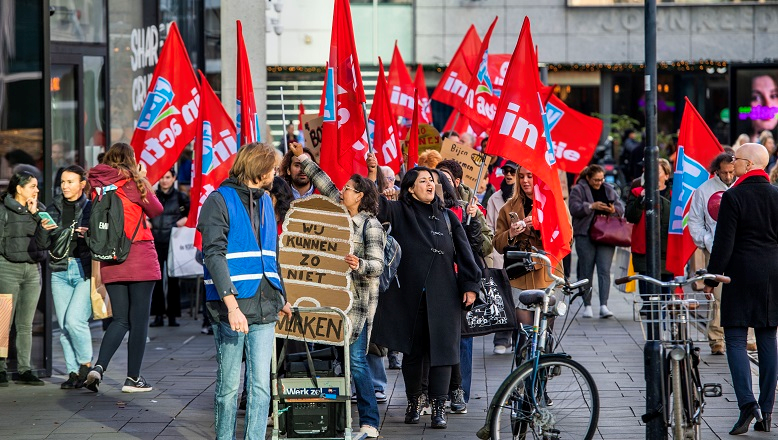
19,270
71,272
590,197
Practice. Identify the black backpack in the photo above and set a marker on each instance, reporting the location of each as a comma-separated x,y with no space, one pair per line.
106,238
392,255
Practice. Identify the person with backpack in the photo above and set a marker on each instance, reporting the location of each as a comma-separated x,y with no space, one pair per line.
360,197
71,270
122,198
176,210
244,291
19,267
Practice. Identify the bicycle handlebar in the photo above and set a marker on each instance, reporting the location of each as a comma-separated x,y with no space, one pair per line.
676,282
518,255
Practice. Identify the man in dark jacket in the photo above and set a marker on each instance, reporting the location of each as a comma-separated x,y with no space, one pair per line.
244,292
745,248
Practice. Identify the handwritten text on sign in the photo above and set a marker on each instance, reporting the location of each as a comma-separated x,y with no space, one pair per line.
469,158
316,237
312,126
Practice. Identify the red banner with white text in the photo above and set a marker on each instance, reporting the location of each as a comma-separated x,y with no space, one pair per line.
247,119
575,135
400,86
453,84
382,126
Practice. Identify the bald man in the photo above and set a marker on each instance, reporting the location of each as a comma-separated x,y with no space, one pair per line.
745,248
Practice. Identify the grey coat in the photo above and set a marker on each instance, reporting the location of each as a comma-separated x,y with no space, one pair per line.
581,198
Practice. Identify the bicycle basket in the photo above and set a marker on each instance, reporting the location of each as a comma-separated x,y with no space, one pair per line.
677,320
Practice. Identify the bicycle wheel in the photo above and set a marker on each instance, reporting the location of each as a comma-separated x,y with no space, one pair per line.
568,405
685,403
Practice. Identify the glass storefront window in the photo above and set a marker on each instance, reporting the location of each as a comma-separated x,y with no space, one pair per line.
94,110
661,2
81,21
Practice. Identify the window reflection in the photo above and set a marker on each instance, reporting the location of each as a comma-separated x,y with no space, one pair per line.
78,21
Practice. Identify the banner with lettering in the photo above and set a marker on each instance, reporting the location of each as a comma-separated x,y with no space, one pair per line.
168,121
498,68
453,84
215,148
413,137
381,125
247,119
425,109
480,102
400,86
575,135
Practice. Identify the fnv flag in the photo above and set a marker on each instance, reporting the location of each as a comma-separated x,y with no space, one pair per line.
697,147
575,135
452,87
344,132
520,133
247,119
400,86
168,120
413,137
382,127
425,110
480,102
498,68
215,148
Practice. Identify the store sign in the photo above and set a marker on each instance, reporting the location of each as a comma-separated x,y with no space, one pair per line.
145,45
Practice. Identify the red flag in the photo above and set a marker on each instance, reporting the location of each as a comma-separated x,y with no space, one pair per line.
382,125
453,84
425,112
168,121
697,147
498,68
575,135
518,134
215,149
463,125
480,102
301,111
344,134
247,119
413,136
400,86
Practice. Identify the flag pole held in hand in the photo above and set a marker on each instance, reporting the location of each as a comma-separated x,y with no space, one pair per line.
369,140
477,182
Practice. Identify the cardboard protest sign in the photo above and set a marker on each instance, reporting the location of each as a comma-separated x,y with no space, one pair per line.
315,239
6,311
469,158
312,131
429,138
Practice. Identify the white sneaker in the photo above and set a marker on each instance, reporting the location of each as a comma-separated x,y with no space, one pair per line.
370,431
500,349
604,312
587,313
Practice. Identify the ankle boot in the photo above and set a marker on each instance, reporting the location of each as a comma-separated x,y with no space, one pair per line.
412,411
747,413
765,424
171,322
158,322
439,412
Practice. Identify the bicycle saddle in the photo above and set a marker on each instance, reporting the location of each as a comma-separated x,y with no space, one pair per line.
534,297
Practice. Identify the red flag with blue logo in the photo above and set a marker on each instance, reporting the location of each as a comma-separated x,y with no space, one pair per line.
480,100
520,133
697,147
247,119
214,152
382,127
453,83
400,86
168,120
344,132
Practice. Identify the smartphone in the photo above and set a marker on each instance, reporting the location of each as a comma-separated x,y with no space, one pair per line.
513,216
46,216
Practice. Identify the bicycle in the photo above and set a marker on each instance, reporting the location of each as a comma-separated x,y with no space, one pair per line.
672,321
547,396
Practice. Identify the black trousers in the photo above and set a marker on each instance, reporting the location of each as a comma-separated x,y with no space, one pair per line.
413,362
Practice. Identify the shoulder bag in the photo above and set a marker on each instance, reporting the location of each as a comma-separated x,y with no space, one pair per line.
611,231
60,245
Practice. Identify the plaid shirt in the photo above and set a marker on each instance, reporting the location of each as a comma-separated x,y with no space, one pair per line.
368,246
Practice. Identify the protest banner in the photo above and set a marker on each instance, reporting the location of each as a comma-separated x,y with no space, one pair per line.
315,239
469,158
312,126
6,311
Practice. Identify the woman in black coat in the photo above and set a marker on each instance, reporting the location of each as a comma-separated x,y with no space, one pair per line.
745,248
421,317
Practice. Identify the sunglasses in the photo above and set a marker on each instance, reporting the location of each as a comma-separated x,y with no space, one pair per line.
508,171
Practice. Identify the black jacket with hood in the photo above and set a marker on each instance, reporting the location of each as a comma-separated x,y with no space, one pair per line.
44,239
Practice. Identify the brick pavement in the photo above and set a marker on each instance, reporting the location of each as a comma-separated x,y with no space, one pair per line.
179,363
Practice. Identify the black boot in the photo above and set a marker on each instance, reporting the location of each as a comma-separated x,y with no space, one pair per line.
83,371
747,413
765,424
171,322
412,411
439,412
158,322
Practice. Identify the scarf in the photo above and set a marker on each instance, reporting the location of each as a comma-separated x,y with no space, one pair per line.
507,190
751,173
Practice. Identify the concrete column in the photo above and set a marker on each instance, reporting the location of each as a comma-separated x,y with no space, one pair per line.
606,101
251,13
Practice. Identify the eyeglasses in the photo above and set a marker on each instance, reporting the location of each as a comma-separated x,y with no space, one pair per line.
508,171
347,187
598,180
741,158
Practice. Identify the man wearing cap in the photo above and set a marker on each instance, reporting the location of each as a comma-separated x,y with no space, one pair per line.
502,340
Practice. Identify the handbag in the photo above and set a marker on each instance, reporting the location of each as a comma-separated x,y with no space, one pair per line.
60,246
493,310
101,303
522,269
611,231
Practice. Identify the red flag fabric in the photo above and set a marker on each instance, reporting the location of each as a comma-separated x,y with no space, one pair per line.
168,120
697,147
301,112
413,136
344,134
519,134
247,119
480,102
425,112
498,68
382,125
575,135
215,149
400,86
323,99
453,84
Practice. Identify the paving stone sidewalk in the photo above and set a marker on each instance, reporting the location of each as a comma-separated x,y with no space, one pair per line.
180,364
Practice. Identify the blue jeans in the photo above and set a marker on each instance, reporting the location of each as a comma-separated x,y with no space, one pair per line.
466,364
363,382
377,372
591,254
230,345
71,290
740,365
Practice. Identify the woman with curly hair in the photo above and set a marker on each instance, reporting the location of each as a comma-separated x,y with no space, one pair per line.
131,282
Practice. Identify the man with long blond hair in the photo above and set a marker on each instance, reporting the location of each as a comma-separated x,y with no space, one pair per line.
243,289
